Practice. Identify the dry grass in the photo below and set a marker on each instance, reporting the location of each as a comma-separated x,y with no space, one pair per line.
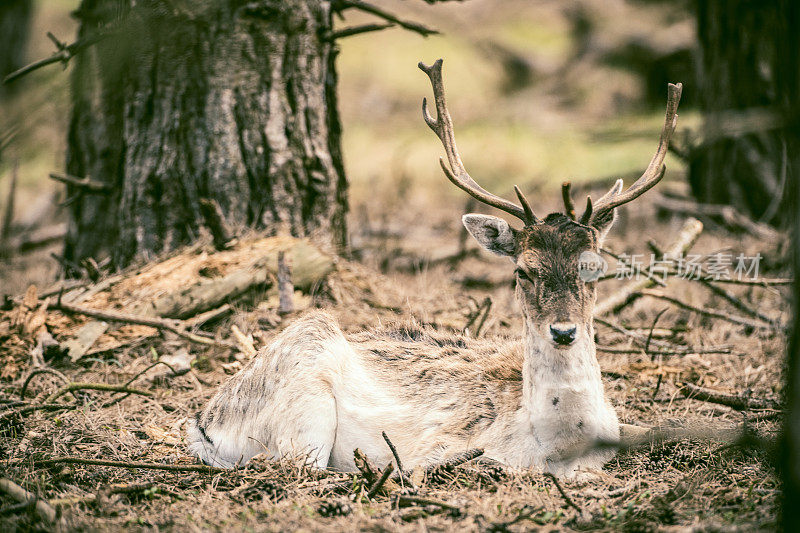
660,486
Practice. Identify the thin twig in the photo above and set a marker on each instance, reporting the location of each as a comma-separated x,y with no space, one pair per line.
94,386
641,339
760,282
134,378
113,489
650,334
381,480
742,321
357,30
379,12
34,408
564,495
736,302
64,54
394,451
132,465
688,235
35,373
487,307
455,460
737,402
426,501
285,284
83,183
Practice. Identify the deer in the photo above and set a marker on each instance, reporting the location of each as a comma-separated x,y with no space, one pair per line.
318,393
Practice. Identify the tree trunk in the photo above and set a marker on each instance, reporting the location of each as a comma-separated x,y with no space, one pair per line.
231,101
789,93
741,61
15,21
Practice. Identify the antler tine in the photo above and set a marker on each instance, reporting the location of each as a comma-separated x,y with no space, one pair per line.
569,207
587,214
442,126
655,170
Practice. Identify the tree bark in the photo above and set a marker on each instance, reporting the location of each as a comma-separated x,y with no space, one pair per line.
788,89
741,61
230,101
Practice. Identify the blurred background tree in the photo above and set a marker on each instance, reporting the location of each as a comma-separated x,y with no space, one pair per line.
15,20
742,156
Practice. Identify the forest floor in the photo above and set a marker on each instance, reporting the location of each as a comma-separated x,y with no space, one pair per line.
717,475
578,118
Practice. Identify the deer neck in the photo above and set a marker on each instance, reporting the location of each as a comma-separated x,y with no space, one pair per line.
561,385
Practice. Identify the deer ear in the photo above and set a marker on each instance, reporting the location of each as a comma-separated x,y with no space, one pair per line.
604,223
492,233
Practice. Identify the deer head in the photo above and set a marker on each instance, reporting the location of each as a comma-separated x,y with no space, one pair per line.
557,302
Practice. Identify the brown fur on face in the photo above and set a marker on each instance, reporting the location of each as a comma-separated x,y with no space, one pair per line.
548,288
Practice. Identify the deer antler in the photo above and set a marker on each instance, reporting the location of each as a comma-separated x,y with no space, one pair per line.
655,170
442,126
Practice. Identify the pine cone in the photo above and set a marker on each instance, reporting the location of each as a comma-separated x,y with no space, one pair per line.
338,507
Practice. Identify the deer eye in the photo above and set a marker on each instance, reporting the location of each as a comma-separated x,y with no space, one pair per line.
527,276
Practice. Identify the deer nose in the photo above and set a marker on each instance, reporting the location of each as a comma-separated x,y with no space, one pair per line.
563,334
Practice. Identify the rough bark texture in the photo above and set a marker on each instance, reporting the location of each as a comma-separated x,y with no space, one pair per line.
789,88
742,59
225,100
15,20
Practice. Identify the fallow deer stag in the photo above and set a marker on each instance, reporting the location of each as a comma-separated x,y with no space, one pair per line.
319,393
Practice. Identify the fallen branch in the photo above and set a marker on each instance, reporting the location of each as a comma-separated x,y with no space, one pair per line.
43,509
175,326
736,302
737,402
727,215
94,386
687,351
742,321
643,340
131,465
310,265
688,235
